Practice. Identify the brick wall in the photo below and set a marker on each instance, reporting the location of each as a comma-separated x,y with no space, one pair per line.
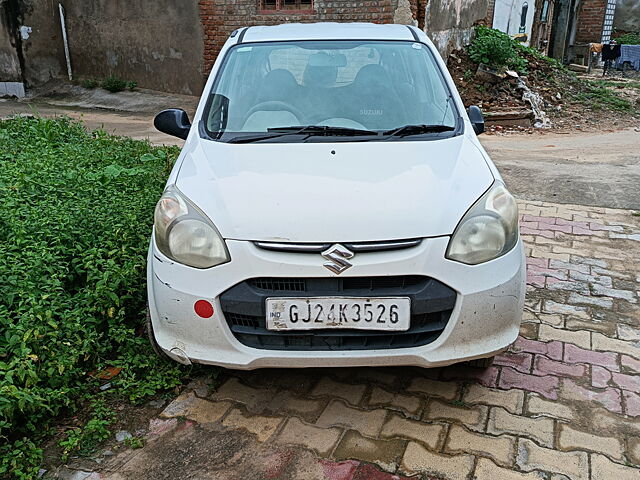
590,21
221,17
541,30
491,8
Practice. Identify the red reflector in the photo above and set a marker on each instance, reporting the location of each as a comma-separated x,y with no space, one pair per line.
203,309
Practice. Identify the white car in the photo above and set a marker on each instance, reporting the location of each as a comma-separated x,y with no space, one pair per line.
332,206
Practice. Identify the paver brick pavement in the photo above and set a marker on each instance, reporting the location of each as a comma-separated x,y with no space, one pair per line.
562,402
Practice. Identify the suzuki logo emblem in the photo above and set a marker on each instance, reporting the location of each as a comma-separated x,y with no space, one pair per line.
338,256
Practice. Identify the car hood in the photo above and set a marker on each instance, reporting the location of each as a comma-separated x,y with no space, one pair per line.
338,192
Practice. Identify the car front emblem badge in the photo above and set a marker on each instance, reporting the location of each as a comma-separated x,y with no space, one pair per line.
338,256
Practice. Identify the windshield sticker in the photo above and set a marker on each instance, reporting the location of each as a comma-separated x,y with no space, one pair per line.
417,46
245,49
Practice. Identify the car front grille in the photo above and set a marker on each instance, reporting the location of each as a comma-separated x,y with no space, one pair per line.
243,307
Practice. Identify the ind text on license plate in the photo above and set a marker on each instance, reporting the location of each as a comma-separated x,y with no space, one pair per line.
303,313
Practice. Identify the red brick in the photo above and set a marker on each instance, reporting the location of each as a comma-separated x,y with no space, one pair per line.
609,398
339,470
600,377
534,218
627,382
519,361
551,349
546,386
536,280
574,354
219,18
630,363
532,225
369,472
538,262
590,21
631,404
559,228
562,221
545,366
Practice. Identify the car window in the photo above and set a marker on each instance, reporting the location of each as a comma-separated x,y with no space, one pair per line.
365,85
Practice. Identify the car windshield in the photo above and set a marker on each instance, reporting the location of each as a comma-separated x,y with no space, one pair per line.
273,90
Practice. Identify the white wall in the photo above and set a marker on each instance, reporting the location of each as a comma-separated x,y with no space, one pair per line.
507,17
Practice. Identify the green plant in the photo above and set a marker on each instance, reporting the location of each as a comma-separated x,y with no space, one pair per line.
132,85
496,49
84,440
468,75
631,38
90,83
20,459
75,220
618,84
134,442
114,84
599,97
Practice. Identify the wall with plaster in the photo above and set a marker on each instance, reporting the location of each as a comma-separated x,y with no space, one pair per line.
515,18
157,44
449,23
10,70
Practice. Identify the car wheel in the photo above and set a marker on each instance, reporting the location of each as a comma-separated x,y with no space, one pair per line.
481,362
152,337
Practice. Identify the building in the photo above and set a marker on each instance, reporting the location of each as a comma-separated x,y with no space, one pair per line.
170,45
577,23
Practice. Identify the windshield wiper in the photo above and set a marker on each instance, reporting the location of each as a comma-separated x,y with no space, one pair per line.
255,138
407,130
323,130
308,130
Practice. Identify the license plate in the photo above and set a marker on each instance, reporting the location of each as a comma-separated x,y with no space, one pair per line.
303,313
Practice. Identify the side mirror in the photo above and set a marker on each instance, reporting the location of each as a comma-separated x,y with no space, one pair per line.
476,118
174,121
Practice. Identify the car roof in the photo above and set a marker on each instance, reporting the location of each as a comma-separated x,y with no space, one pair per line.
327,31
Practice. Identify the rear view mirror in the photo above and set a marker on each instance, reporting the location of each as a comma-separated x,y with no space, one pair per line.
328,60
476,118
173,122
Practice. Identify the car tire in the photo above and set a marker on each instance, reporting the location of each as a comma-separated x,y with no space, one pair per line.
152,337
481,362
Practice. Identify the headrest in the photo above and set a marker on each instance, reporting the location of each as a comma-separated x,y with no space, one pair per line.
321,71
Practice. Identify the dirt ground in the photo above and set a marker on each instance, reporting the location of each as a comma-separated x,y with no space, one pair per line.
585,168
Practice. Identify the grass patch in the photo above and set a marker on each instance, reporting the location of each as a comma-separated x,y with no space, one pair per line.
114,84
616,84
598,97
75,221
90,83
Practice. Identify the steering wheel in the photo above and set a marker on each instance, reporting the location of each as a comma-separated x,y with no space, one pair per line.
274,106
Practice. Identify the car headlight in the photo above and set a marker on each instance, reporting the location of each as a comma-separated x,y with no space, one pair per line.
185,234
488,230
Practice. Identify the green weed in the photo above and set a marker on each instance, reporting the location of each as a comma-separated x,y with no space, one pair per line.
84,440
114,84
598,97
630,38
134,442
75,219
90,83
496,49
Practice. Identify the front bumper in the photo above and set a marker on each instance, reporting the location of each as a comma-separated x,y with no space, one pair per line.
485,318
